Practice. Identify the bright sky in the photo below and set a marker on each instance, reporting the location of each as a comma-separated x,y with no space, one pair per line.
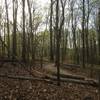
40,4
43,2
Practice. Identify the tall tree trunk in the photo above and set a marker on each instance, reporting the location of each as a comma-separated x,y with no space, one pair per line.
61,30
57,42
31,32
74,31
24,35
63,46
15,7
87,33
83,37
58,35
99,31
8,30
4,49
51,32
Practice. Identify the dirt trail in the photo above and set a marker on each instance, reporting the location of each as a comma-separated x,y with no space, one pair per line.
53,69
50,68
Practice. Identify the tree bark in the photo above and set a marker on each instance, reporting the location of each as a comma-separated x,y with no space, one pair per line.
15,7
57,43
8,30
99,31
51,33
24,35
83,37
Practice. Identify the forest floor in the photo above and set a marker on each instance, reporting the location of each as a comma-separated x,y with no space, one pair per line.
16,89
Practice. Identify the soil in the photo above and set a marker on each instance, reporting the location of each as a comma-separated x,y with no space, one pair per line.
11,89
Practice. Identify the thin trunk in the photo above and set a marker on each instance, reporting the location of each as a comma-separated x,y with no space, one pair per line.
4,49
8,30
74,33
15,7
61,30
42,50
57,42
99,31
24,35
83,38
51,33
58,35
87,33
63,46
31,32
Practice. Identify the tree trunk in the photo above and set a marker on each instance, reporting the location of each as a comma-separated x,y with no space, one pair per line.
87,33
15,7
8,30
99,32
57,42
24,35
51,33
83,37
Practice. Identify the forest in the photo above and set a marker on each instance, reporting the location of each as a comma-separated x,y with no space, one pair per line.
49,49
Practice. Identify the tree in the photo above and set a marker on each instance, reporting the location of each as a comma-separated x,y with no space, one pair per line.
15,7
87,31
58,31
8,30
24,35
30,26
51,32
74,26
57,42
83,34
99,30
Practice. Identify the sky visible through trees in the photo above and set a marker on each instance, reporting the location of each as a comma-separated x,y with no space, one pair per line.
53,42
40,5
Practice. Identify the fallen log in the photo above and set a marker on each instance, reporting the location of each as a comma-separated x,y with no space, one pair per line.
70,76
52,79
71,65
8,60
77,81
63,76
38,60
21,77
96,67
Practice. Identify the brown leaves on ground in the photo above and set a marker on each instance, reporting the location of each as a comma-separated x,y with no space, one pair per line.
26,90
36,90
